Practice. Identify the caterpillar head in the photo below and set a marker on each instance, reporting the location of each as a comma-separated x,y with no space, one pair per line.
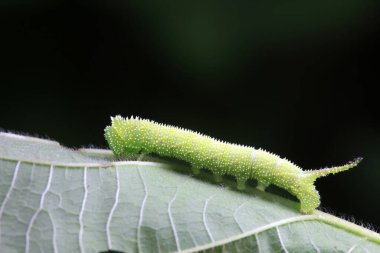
122,135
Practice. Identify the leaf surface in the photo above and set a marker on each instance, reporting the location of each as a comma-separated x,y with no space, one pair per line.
53,199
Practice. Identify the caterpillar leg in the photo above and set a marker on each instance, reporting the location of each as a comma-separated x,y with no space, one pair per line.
309,200
218,178
240,184
195,169
262,185
141,156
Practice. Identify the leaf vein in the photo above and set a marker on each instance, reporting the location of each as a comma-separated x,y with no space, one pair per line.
172,222
281,240
204,218
34,217
141,216
81,246
109,219
7,196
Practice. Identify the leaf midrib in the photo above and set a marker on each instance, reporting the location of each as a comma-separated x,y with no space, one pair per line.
105,164
317,216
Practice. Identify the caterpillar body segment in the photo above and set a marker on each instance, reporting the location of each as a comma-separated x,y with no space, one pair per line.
136,135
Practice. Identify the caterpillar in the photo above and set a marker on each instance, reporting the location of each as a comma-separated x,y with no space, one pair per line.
135,135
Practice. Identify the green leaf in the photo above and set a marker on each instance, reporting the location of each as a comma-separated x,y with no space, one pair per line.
53,199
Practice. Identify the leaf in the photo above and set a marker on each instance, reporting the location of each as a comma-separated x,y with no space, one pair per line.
53,199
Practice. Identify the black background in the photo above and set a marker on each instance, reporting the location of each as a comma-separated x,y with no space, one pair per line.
296,78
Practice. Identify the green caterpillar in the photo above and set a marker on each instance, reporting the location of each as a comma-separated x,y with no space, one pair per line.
136,135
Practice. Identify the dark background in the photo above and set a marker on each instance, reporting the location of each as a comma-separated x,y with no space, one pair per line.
298,78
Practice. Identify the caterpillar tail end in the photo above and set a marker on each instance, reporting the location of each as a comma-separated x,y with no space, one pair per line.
324,172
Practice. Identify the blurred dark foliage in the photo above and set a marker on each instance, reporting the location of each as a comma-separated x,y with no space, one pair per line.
297,78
